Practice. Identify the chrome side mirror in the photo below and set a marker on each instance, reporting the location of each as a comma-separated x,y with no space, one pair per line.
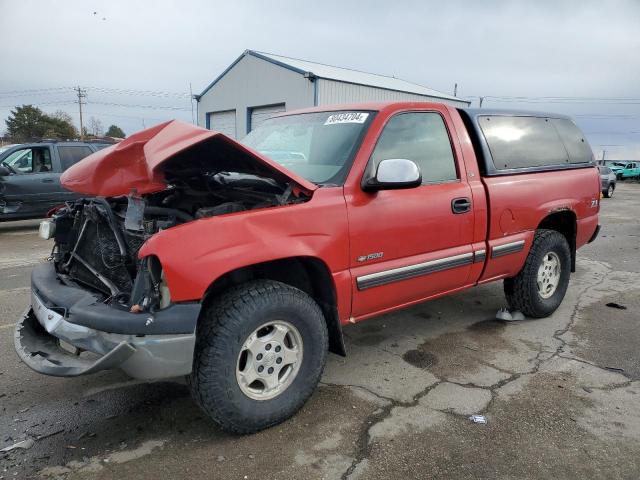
393,173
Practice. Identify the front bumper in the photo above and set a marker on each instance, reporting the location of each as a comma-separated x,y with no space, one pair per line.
148,355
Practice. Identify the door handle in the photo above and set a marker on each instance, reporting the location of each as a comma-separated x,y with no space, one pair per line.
460,205
47,180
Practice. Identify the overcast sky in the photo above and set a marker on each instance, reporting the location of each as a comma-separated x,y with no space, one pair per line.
585,49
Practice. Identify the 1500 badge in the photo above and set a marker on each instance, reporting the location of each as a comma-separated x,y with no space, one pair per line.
371,256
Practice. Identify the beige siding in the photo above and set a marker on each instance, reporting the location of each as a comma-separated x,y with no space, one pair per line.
331,92
253,82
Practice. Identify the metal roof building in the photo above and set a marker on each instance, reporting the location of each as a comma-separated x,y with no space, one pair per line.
258,85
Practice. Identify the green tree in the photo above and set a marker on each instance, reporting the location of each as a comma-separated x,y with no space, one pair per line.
26,123
60,125
29,123
115,131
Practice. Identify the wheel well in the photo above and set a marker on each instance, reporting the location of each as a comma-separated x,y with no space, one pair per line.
564,222
308,274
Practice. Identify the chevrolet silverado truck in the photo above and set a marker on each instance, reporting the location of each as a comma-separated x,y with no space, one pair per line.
200,256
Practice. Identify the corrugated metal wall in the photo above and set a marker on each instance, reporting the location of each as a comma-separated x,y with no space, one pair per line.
253,83
331,92
250,83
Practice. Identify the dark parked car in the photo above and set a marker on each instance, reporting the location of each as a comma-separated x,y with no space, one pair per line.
30,176
607,181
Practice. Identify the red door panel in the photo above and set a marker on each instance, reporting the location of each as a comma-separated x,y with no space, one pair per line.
417,246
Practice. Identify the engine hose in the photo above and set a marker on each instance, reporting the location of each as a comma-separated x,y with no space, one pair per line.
185,217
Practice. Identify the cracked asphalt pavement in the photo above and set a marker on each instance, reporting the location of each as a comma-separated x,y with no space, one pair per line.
560,395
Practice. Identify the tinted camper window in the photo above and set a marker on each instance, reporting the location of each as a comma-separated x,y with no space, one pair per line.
522,142
577,147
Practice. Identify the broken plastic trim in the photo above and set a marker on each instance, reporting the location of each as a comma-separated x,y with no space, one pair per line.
149,287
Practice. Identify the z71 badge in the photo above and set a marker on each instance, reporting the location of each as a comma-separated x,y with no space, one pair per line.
371,256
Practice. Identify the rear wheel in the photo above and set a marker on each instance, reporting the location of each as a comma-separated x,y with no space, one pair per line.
260,351
539,288
608,193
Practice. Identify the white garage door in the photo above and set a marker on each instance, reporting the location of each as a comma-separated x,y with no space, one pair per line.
260,114
223,122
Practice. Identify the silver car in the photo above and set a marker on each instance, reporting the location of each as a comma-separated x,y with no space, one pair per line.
607,181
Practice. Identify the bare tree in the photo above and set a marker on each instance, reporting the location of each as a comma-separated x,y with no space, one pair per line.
95,127
63,116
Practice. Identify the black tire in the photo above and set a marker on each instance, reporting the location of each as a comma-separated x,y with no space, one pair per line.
608,193
522,290
223,329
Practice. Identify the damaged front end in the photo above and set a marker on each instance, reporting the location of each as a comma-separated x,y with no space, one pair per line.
97,240
97,304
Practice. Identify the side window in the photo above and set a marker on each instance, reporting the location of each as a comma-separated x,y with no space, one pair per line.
576,145
421,137
30,160
70,155
19,161
100,146
522,142
41,160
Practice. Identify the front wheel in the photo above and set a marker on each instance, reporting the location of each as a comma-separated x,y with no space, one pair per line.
608,193
539,288
260,351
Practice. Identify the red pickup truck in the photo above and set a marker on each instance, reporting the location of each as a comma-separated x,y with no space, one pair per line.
238,264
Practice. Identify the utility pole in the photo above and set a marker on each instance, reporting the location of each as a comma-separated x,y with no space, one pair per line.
193,119
455,90
481,100
81,95
603,154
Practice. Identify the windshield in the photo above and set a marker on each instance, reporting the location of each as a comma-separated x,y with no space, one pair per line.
316,146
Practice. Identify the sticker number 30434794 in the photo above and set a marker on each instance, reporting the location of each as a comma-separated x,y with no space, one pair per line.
346,117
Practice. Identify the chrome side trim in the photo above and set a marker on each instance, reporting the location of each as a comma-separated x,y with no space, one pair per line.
479,256
507,248
411,271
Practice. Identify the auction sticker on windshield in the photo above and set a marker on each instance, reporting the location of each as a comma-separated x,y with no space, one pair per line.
346,117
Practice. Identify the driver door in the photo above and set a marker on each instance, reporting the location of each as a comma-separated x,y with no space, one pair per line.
412,244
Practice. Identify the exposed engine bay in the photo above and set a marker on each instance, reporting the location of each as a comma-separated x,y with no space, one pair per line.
97,239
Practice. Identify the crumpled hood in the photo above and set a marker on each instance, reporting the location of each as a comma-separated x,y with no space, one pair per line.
137,162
